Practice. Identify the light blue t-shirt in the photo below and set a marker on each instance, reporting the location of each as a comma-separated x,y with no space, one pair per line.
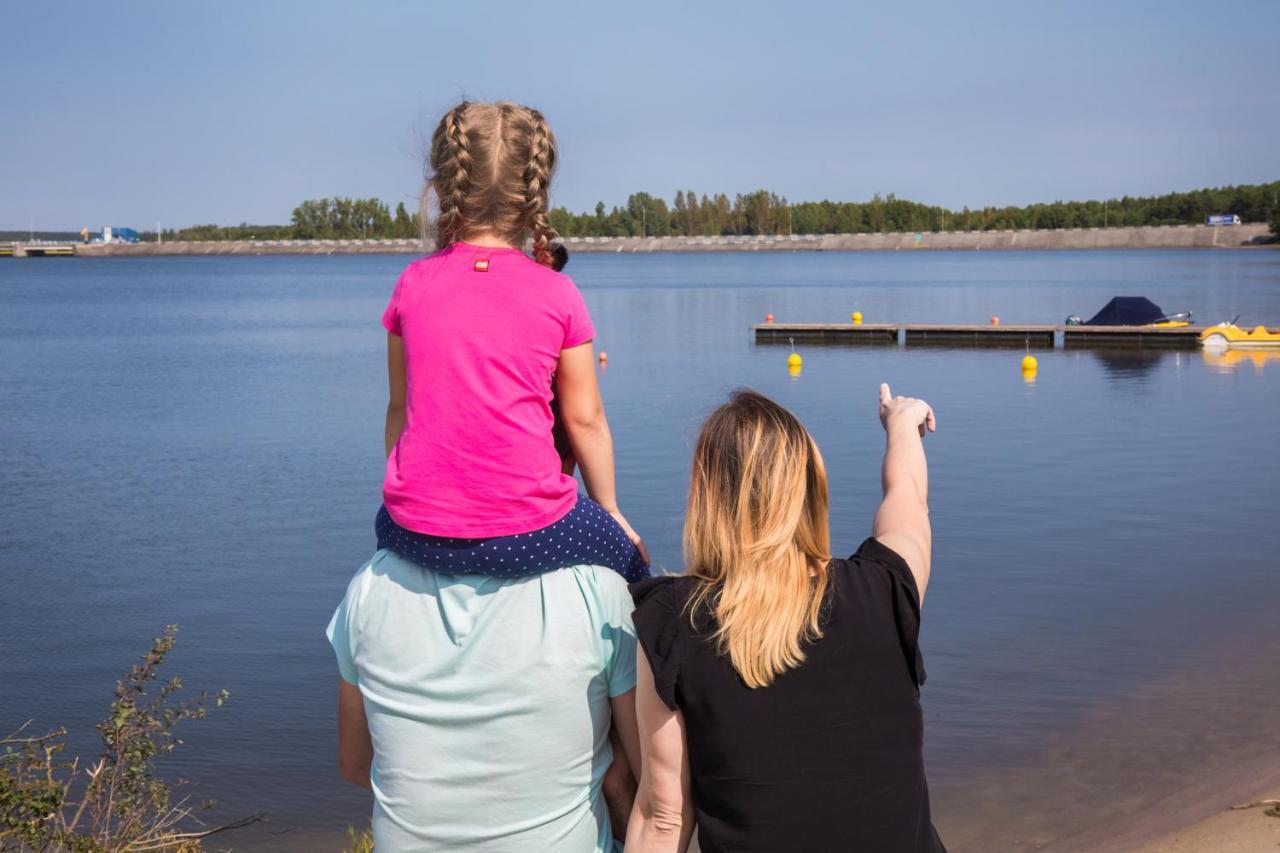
488,702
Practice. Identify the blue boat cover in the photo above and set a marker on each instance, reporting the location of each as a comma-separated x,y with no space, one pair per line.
1127,311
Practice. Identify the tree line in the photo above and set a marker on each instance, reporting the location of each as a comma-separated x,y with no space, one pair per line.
765,212
335,218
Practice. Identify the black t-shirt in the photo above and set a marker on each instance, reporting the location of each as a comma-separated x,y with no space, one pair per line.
829,756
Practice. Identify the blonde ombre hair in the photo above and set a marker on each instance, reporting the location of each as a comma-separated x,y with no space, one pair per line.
491,166
756,535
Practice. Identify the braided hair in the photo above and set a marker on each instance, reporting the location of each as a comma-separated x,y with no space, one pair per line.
491,166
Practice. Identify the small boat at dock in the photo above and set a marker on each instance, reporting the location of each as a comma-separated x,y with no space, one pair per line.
1231,336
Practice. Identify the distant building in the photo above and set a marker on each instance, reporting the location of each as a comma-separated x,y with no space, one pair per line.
109,234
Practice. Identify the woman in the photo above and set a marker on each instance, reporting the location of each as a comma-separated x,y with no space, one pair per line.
778,688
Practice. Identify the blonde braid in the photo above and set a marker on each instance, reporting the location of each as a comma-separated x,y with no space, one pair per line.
453,164
537,180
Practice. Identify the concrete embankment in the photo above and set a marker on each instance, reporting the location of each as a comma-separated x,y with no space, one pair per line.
1155,237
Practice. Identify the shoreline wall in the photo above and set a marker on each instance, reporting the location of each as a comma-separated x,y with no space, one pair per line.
1145,237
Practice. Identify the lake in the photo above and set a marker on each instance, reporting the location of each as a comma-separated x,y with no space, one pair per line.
199,441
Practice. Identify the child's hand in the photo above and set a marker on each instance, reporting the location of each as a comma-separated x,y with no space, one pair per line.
632,535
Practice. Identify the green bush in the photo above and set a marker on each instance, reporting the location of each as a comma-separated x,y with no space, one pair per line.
117,803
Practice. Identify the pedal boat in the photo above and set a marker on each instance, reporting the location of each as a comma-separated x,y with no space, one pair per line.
1229,335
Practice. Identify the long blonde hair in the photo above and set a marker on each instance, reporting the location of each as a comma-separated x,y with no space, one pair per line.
491,165
756,535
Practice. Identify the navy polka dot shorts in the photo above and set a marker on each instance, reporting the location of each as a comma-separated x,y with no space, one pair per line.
586,536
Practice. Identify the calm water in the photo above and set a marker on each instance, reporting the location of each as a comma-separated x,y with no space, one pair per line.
198,440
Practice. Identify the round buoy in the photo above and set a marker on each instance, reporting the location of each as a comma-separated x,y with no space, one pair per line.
857,318
604,356
995,321
1029,362
768,318
1029,376
794,370
794,360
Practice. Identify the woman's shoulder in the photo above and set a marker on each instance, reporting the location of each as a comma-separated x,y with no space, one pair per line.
663,593
878,565
877,585
660,603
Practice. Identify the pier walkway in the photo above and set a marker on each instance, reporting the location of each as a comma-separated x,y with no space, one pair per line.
37,249
977,335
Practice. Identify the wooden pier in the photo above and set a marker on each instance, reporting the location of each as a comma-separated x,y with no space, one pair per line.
977,335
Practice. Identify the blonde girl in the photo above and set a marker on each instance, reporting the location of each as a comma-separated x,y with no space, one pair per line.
778,688
480,338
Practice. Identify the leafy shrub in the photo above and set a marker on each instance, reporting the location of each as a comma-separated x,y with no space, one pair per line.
52,803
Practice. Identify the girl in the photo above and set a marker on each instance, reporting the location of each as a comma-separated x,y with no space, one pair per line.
477,334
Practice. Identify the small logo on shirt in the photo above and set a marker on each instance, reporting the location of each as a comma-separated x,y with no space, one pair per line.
482,265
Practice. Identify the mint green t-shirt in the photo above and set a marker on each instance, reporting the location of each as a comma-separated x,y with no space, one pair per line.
488,702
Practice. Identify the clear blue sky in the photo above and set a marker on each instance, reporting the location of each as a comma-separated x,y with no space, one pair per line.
128,113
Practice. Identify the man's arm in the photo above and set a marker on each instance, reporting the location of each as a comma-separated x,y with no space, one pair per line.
662,820
355,747
620,780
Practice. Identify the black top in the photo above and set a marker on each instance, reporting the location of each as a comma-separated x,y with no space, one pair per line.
829,756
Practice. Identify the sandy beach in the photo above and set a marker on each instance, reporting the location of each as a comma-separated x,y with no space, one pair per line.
1249,830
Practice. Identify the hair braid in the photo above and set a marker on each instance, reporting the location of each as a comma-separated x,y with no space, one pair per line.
537,180
453,166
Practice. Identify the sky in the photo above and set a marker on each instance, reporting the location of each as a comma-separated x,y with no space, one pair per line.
134,113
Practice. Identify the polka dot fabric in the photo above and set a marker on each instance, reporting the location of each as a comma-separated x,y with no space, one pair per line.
586,536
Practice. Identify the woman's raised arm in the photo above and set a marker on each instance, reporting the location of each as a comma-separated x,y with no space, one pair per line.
902,521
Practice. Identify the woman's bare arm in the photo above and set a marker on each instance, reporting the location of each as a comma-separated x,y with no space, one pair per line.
355,747
397,391
582,410
662,819
902,521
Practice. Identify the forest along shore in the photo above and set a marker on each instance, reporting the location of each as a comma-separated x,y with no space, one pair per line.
1145,237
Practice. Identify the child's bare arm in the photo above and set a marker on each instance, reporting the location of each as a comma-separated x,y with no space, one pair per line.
396,391
578,393
582,410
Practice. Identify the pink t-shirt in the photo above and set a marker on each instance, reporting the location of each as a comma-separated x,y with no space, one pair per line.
483,329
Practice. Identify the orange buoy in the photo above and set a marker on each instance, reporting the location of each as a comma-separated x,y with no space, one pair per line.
604,356
768,318
995,321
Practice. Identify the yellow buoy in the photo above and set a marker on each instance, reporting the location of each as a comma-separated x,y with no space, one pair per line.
857,318
794,360
1029,376
1029,362
794,370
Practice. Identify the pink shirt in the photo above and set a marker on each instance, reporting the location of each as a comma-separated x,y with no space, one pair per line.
483,329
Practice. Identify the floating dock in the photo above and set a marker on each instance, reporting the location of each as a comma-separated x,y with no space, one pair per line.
977,335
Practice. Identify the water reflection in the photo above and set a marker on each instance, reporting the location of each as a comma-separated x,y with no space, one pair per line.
1227,361
1129,364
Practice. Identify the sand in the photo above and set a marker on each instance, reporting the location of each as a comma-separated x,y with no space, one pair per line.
1230,831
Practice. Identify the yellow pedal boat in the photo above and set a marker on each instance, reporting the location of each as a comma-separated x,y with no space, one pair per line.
1226,335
